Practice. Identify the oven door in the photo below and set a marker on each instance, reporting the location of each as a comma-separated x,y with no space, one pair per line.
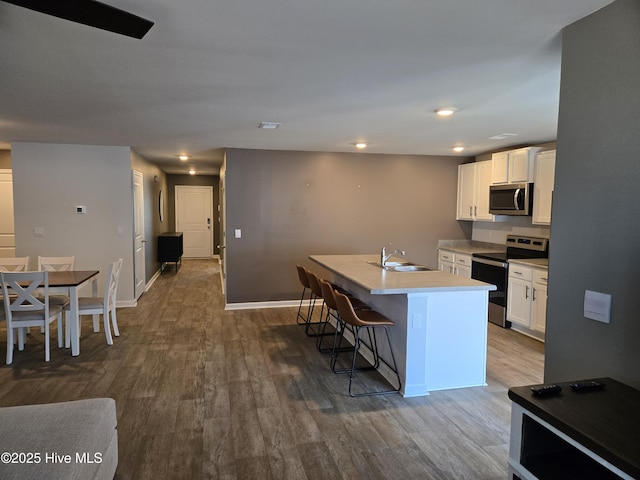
495,273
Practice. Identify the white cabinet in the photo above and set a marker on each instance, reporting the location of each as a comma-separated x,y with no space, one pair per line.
527,297
519,295
463,265
455,263
445,261
544,177
473,191
514,166
539,300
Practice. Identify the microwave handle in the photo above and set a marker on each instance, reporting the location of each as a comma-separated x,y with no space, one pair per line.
515,198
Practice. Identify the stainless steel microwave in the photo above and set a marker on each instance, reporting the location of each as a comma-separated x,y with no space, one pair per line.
511,199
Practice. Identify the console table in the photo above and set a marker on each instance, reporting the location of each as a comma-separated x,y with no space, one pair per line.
170,248
575,434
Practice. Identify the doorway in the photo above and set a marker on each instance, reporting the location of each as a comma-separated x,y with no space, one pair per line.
194,218
138,235
7,229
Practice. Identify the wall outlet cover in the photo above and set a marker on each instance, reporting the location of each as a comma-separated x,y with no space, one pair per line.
597,306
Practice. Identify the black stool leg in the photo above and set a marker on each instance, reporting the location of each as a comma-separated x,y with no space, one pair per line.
376,357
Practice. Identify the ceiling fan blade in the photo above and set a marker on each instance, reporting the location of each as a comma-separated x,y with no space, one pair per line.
91,13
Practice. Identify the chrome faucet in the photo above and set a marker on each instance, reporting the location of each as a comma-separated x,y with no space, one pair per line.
384,256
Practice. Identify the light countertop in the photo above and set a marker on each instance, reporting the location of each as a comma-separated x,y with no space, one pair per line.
470,247
532,262
381,282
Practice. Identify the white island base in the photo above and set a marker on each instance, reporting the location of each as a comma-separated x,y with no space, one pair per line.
440,334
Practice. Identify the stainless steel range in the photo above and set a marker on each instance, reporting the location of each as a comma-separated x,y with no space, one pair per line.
493,267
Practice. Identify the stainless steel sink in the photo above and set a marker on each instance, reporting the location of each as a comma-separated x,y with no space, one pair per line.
401,267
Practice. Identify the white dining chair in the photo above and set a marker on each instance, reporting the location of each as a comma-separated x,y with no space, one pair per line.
24,309
96,306
56,264
14,264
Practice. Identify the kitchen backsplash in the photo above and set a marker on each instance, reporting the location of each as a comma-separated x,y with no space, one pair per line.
497,232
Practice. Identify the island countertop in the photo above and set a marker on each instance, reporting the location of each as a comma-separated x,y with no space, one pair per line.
378,281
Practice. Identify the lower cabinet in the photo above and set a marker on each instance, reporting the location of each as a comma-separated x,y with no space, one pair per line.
455,263
527,297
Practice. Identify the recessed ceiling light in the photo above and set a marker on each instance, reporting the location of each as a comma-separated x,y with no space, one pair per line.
269,125
192,172
445,111
184,158
458,148
361,145
502,136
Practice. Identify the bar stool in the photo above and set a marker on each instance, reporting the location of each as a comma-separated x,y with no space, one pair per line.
304,280
314,282
369,320
328,294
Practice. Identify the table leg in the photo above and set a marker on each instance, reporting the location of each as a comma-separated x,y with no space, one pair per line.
75,321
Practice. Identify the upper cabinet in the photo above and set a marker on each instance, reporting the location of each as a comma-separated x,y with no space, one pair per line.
514,166
545,167
473,191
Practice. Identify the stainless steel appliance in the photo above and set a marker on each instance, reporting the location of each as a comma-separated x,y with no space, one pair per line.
511,199
493,267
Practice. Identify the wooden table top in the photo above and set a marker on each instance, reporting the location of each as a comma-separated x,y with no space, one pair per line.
71,278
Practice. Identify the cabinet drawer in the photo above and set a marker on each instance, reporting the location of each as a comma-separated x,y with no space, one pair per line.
463,260
540,276
446,256
518,271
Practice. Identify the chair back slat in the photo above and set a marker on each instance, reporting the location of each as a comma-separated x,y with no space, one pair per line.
56,264
112,286
19,290
14,264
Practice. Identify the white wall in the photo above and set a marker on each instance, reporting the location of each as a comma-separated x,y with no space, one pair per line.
50,180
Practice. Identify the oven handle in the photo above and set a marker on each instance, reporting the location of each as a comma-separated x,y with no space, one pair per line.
493,263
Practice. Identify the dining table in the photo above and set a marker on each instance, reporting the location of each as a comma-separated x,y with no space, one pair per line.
71,281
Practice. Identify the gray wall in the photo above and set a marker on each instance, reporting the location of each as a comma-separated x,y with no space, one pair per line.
49,180
595,236
293,204
200,181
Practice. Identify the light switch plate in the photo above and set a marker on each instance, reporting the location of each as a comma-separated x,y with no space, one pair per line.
597,306
238,233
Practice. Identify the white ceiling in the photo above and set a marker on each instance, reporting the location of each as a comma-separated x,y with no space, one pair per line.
333,72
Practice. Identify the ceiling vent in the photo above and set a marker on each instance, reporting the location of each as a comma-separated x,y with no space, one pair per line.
269,125
502,136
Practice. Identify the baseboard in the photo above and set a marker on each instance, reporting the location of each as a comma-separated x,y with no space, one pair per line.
126,304
152,280
254,305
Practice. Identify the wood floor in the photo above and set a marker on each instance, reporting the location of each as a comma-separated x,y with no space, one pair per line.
206,393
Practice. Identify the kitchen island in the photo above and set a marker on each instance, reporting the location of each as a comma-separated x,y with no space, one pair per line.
440,333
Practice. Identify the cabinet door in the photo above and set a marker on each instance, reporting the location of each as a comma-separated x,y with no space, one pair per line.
545,167
519,301
539,300
466,191
519,166
500,167
463,265
539,307
483,181
463,271
445,261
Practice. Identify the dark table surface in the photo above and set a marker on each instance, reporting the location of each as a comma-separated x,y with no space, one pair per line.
606,421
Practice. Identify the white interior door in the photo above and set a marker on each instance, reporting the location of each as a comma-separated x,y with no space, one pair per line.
7,232
194,218
138,233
